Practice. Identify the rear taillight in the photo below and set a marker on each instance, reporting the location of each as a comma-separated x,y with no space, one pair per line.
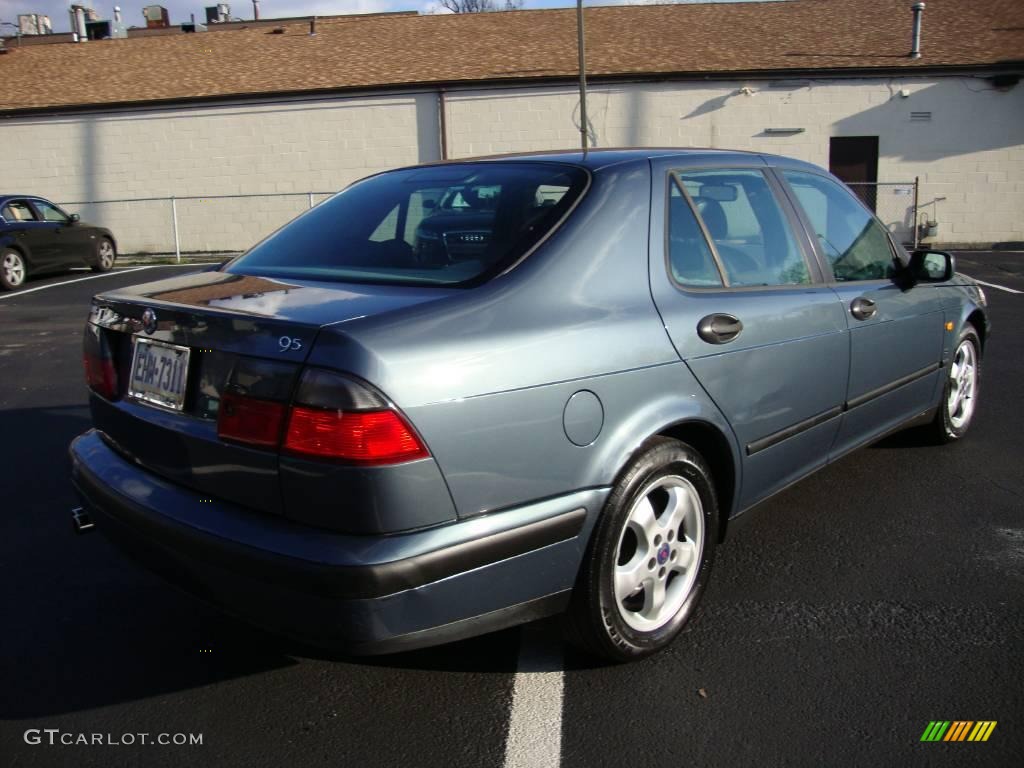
100,373
250,420
367,437
332,417
335,417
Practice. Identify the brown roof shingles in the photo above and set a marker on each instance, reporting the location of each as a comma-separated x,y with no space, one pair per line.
384,51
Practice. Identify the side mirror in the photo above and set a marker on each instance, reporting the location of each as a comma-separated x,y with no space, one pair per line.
75,217
931,266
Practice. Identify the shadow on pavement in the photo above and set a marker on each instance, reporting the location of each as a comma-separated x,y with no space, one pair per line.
83,627
86,627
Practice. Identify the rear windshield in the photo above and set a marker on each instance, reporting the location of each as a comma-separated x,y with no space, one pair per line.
453,225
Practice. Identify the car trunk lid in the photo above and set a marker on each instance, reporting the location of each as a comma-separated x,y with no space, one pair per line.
238,332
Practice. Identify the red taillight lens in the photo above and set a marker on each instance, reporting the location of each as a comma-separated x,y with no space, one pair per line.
368,437
100,374
250,420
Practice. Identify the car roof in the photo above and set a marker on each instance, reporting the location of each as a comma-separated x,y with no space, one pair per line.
13,196
604,157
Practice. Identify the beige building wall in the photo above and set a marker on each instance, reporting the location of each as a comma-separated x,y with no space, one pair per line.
968,149
283,151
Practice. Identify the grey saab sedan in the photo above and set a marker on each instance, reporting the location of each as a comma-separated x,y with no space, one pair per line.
458,397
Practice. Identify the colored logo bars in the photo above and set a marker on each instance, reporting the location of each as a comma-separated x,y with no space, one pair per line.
958,730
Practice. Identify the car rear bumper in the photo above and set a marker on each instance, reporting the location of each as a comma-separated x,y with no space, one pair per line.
362,594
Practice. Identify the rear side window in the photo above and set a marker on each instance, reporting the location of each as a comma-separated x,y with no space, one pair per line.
853,241
750,232
455,224
689,255
17,210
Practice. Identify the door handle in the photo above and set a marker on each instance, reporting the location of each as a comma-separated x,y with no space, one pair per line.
862,308
719,328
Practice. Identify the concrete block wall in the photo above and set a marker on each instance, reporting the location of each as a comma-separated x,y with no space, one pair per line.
971,151
201,152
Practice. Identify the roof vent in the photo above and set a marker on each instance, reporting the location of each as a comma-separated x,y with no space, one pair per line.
156,17
915,40
277,31
920,117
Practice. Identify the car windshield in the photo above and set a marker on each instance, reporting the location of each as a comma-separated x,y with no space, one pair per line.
457,224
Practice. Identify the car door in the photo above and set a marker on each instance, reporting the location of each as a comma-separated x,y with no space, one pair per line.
742,298
28,232
896,333
67,241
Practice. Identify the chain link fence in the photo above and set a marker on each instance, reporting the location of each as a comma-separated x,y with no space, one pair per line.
218,224
229,224
895,204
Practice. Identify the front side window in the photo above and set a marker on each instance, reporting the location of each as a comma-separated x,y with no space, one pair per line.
854,242
442,225
51,212
18,210
748,227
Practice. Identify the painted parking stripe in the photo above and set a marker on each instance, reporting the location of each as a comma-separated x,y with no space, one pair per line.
997,287
105,274
70,282
535,722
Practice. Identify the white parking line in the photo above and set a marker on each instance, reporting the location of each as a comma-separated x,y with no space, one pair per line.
69,282
535,722
993,285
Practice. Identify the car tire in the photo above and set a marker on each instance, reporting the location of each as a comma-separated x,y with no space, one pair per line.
105,255
650,556
960,391
13,269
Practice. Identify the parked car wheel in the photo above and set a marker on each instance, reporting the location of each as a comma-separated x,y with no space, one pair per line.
105,255
960,395
12,269
650,558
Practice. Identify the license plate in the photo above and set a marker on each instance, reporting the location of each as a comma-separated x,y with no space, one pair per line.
159,373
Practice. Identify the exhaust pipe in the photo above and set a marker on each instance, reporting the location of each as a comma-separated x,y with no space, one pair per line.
81,521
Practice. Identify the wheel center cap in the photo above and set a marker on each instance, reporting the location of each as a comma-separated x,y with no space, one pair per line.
663,553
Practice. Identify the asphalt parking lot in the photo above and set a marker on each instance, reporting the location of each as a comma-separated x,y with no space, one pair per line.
884,592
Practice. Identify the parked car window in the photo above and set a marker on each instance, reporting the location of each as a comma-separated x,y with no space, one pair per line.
855,243
689,254
421,204
748,227
442,225
388,228
18,210
50,212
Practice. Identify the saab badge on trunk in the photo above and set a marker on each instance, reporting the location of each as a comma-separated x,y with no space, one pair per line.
149,321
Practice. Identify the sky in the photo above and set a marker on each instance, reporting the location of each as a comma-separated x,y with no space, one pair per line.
131,10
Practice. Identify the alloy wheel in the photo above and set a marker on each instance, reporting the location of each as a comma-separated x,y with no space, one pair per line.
659,553
963,383
14,268
106,254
